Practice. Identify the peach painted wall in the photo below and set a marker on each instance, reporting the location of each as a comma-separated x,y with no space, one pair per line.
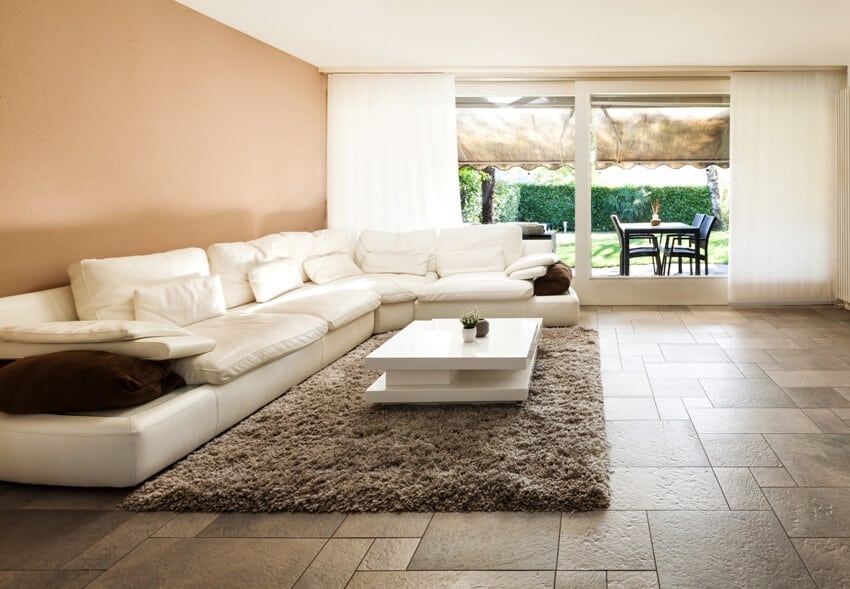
137,126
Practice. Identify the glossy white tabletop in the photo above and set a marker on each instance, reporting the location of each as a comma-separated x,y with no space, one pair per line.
438,344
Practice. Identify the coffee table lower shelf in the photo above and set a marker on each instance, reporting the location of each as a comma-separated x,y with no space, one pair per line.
467,386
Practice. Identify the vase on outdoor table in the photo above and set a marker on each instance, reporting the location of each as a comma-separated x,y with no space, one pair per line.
469,334
656,220
483,328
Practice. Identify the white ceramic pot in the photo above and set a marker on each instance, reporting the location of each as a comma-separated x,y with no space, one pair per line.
468,334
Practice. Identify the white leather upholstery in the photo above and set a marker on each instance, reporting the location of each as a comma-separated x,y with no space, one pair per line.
460,240
245,341
337,307
149,348
392,288
69,332
233,262
477,286
103,288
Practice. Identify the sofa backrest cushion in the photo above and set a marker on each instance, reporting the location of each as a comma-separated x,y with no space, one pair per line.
405,252
180,302
324,269
465,249
272,279
103,288
233,261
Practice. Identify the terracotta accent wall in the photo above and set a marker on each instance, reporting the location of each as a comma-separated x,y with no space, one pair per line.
136,126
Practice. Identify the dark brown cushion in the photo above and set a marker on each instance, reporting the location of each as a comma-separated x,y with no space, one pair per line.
82,380
556,280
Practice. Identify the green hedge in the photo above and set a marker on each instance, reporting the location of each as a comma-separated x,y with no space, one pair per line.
556,204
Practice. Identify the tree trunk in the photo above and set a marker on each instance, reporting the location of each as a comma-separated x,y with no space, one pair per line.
488,184
714,191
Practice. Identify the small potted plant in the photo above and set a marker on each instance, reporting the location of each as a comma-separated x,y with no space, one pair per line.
469,319
656,206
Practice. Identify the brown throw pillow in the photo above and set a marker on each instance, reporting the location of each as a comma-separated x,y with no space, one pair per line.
82,380
556,280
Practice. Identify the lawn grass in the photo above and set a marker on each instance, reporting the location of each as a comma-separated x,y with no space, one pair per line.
606,250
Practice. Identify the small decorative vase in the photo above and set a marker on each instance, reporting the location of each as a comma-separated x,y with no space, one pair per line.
656,220
468,334
483,328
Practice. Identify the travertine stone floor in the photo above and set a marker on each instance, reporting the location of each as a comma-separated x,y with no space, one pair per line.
729,432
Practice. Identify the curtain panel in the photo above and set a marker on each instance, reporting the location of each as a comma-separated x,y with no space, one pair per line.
392,152
783,187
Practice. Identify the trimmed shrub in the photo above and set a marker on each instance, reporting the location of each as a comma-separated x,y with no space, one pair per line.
556,204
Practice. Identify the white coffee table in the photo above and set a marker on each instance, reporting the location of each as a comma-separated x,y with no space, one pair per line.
428,362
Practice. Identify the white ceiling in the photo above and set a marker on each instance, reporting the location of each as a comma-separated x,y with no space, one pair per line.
447,34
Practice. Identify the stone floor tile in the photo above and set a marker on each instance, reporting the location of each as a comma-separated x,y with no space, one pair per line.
333,566
725,549
112,547
458,579
817,397
580,580
741,489
633,364
827,421
489,541
738,450
625,383
186,525
696,402
693,353
86,498
384,525
808,360
639,350
389,554
757,343
745,392
665,488
42,539
828,560
772,477
694,370
676,387
273,525
612,540
671,408
610,362
629,408
654,443
843,414
744,356
751,370
810,378
632,580
47,579
657,337
814,460
751,421
812,512
212,562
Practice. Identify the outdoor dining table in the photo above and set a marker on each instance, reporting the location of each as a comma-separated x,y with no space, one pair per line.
630,229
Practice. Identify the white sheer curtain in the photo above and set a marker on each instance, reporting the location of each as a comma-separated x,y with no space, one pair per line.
783,182
392,152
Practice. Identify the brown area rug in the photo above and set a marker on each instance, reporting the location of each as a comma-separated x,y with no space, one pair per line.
320,448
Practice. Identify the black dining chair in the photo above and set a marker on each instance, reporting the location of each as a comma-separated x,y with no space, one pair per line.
692,251
639,251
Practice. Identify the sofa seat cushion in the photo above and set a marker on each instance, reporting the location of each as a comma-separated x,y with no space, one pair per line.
392,288
244,341
476,286
148,348
336,306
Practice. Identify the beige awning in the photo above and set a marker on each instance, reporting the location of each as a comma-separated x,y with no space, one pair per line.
649,131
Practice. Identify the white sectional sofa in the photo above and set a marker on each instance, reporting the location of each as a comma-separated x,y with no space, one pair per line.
249,321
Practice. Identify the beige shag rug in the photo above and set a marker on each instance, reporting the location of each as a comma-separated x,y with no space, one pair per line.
320,448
